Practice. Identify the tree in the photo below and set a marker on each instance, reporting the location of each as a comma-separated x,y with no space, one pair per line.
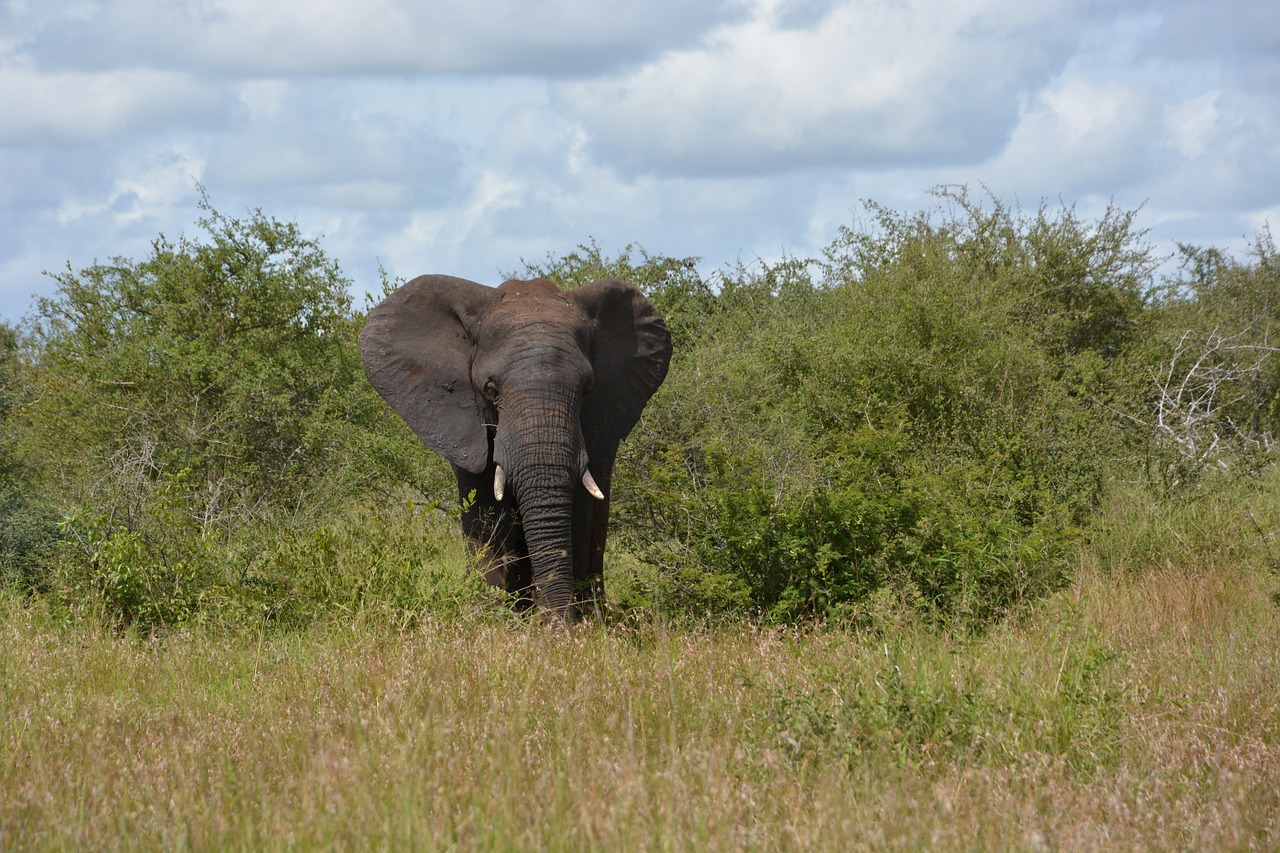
231,358
1215,401
913,419
28,527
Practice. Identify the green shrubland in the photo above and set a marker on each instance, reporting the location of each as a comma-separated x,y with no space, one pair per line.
931,421
961,536
927,418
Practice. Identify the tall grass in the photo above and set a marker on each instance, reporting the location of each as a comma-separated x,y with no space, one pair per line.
1132,710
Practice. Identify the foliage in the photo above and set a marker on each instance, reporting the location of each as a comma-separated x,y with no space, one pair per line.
396,558
232,358
914,705
187,407
1215,334
673,285
28,527
920,416
161,570
924,424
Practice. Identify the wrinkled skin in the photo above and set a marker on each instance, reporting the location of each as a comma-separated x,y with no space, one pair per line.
540,384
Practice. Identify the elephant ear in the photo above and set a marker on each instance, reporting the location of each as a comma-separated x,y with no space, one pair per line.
416,347
631,355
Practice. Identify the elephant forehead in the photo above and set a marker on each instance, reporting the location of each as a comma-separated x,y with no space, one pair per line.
533,315
533,287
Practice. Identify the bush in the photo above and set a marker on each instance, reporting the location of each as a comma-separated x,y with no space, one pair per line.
29,527
185,408
925,421
395,558
1214,393
161,570
928,413
233,359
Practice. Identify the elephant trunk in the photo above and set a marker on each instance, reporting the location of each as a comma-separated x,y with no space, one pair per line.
542,454
547,518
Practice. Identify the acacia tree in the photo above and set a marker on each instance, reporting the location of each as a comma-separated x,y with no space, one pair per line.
1215,398
229,359
27,527
913,418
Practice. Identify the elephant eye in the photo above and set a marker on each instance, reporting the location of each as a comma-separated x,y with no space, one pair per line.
491,391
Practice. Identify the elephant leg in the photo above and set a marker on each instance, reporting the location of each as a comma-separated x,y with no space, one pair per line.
494,538
591,527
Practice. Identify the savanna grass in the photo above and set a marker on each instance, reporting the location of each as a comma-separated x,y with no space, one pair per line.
1126,712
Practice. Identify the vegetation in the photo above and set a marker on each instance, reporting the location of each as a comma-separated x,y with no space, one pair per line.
1136,709
200,423
963,534
924,420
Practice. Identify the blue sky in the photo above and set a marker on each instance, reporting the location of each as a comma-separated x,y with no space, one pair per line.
460,136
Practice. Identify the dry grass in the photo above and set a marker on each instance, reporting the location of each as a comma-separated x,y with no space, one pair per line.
1128,713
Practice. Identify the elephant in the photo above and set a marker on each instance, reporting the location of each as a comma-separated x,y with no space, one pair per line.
527,391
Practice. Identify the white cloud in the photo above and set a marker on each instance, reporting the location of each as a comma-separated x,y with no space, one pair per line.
1079,136
437,240
263,100
248,37
1191,124
150,193
326,142
454,136
1243,34
866,85
1227,151
78,108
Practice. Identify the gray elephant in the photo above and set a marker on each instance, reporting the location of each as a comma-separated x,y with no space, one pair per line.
527,391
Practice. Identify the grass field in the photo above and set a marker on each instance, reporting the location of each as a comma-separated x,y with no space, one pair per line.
1125,713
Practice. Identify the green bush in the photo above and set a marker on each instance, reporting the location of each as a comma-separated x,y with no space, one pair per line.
28,528
396,558
915,706
924,422
157,569
232,358
929,413
1214,386
160,570
184,409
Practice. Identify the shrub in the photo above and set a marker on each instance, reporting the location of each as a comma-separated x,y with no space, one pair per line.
161,570
28,527
186,407
929,412
231,358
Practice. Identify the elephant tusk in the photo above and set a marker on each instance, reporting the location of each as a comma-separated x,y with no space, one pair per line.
590,483
499,481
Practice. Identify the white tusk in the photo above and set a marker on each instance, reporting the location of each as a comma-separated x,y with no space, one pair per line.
499,481
590,483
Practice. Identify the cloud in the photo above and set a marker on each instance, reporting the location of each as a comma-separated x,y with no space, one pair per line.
309,37
1124,119
1227,153
350,150
1242,34
60,206
865,84
78,108
1080,136
144,194
436,241
454,136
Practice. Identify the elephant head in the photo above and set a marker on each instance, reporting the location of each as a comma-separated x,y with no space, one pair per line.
527,391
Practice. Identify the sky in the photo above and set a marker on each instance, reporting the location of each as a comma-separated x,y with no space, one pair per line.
464,136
